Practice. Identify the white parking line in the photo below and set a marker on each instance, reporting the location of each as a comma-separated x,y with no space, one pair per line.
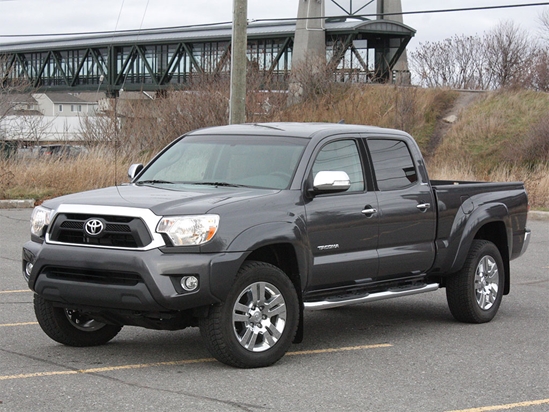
506,407
3,325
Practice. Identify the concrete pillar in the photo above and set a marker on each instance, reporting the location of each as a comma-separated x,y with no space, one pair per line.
310,38
309,45
402,73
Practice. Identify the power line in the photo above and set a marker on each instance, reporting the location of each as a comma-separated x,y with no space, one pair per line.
464,9
509,6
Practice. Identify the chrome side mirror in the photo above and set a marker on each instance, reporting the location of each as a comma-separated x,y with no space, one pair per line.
134,170
331,182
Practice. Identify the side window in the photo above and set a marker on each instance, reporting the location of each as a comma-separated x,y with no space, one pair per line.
341,155
392,163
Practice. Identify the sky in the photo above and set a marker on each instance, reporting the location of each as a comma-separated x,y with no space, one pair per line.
23,17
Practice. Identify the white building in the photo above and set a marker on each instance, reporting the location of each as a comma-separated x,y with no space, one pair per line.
46,117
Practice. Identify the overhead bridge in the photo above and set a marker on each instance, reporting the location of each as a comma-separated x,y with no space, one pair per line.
152,60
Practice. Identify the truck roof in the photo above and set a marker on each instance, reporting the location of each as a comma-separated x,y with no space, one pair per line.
288,129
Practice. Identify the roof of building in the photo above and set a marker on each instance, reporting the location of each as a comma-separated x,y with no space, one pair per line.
218,32
89,97
66,98
19,98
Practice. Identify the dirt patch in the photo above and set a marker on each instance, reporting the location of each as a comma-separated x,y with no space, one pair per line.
452,115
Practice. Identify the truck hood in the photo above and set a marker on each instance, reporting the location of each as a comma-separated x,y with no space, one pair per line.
161,200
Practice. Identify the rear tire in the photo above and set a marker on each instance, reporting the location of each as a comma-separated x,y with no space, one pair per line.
257,323
71,327
475,292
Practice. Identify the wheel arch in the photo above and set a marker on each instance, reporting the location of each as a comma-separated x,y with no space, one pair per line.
493,229
281,244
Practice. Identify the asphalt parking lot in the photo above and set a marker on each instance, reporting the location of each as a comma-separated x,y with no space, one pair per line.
407,354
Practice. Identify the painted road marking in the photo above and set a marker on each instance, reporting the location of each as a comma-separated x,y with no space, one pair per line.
18,324
506,407
179,363
15,291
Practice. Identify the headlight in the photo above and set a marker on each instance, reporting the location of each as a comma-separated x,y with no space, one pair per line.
189,230
40,218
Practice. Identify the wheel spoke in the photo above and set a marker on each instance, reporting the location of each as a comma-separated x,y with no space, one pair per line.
250,337
278,310
239,317
274,301
258,292
493,292
240,308
274,332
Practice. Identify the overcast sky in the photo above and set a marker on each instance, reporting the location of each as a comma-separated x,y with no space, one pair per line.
19,17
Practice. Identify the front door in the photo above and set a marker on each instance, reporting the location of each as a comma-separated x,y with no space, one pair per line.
342,227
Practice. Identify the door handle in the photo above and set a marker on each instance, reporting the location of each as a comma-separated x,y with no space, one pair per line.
423,207
369,211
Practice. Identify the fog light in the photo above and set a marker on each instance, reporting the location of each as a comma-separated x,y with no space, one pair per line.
28,270
189,283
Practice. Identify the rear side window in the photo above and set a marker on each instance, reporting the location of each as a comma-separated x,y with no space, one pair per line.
393,164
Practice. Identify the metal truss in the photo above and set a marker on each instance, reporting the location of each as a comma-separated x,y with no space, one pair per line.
157,65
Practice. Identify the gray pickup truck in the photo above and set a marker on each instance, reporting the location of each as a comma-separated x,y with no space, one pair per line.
239,229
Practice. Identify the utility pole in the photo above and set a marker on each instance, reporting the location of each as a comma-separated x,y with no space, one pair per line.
239,44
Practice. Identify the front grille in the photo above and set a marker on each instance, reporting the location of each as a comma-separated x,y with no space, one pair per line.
119,231
93,276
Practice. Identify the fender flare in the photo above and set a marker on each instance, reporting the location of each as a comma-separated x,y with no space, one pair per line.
267,234
483,215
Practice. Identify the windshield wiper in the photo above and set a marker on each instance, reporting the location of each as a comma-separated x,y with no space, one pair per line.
152,182
224,184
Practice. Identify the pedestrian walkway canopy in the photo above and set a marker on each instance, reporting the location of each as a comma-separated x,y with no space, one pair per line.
156,59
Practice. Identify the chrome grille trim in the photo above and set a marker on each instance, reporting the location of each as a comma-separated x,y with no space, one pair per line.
151,221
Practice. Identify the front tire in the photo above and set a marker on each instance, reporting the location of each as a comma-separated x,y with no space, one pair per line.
257,323
475,292
71,327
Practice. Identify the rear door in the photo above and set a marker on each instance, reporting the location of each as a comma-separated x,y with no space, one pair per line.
342,227
407,217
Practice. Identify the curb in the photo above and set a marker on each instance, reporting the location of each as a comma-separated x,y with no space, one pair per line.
16,204
534,215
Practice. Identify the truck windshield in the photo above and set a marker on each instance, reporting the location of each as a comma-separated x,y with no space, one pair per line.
253,161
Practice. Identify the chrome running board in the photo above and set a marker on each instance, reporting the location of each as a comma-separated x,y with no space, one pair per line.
338,301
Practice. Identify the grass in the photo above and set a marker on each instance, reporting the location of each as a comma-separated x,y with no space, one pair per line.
489,130
41,179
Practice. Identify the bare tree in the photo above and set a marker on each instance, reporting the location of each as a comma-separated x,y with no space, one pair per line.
9,88
509,54
457,62
503,57
14,93
539,78
544,20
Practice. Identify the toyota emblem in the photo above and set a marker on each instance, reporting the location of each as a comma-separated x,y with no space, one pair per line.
94,227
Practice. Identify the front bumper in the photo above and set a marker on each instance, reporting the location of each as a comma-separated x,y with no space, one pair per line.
145,281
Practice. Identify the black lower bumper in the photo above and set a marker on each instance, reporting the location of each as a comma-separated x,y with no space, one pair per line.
144,281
